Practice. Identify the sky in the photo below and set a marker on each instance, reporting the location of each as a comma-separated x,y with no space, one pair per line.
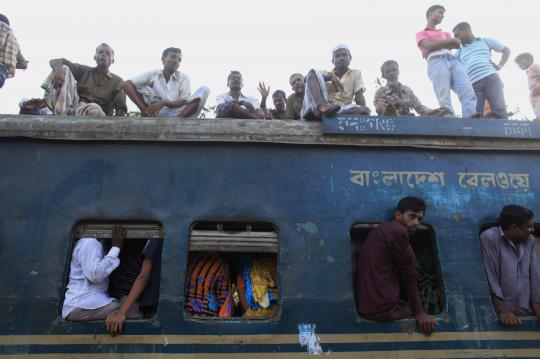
266,41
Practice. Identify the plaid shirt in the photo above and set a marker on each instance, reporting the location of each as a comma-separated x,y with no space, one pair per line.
386,95
9,47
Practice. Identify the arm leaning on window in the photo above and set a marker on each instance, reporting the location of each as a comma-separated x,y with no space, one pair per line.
97,268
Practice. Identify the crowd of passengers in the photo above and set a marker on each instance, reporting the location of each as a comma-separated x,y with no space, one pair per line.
387,277
461,63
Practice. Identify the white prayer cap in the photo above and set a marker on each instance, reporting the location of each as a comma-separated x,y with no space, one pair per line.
340,47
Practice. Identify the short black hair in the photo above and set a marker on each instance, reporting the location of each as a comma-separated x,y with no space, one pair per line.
168,50
4,19
295,74
462,25
514,214
411,203
388,62
434,8
104,44
278,93
525,55
233,72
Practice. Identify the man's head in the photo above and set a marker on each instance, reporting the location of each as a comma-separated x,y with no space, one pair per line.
435,14
341,56
410,211
171,58
104,56
517,222
524,60
279,98
297,83
390,71
4,19
234,81
463,32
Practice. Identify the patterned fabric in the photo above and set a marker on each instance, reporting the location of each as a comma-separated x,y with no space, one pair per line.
208,286
62,101
476,57
9,47
261,289
389,94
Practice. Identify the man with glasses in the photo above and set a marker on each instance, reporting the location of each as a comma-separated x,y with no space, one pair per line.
512,265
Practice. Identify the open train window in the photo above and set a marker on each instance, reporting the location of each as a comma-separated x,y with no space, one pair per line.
232,271
424,245
142,242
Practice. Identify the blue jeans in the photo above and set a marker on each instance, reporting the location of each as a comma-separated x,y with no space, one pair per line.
446,73
3,75
491,88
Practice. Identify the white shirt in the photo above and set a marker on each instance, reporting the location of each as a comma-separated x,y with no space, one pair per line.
89,276
226,97
178,87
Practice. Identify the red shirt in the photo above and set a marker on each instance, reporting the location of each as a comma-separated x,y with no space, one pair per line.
386,260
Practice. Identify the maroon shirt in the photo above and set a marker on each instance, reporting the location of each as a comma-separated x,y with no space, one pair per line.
386,260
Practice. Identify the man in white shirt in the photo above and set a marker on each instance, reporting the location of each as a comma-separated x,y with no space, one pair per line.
234,104
167,92
86,296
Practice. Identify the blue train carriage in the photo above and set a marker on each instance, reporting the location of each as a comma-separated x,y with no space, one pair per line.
303,193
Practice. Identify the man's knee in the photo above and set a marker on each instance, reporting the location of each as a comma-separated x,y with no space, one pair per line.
94,110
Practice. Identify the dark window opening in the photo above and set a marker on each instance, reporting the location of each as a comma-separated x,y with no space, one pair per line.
142,240
232,271
424,244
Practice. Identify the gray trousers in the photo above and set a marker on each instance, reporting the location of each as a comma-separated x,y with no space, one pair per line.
101,313
491,88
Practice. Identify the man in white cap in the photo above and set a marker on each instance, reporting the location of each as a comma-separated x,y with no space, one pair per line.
340,90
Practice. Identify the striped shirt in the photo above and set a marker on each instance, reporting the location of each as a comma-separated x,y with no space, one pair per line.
476,57
208,286
9,47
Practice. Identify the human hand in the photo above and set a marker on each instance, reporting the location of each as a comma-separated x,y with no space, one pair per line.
426,323
114,323
497,67
455,43
337,83
247,105
22,65
508,319
118,236
402,103
154,108
263,90
58,78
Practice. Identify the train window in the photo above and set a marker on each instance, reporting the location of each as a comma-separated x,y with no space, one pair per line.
424,244
232,271
142,241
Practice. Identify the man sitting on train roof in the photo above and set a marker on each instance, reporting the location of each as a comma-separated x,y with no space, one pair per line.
234,104
512,265
74,89
167,92
340,90
296,99
279,98
396,99
387,261
86,296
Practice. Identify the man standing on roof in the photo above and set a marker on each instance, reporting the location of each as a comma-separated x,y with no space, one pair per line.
234,104
167,92
279,98
386,262
525,62
296,99
340,90
396,99
11,57
475,56
444,70
80,90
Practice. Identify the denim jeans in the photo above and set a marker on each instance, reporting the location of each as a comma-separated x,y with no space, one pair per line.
492,89
3,75
446,73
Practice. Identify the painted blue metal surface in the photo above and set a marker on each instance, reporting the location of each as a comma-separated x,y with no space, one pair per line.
312,194
430,126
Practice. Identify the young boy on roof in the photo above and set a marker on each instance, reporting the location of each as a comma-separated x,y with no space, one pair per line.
525,62
444,70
